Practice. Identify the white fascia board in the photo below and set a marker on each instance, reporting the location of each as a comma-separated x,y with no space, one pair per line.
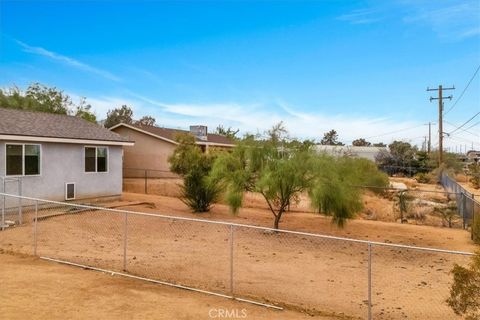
65,140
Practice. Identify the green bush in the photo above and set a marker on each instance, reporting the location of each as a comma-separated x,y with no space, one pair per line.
198,191
465,291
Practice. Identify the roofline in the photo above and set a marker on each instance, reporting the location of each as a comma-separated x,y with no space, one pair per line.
143,131
206,143
64,140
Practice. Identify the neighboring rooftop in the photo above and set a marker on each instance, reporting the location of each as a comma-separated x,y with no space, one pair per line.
170,134
19,123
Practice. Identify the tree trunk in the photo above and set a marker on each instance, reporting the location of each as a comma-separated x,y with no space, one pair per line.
277,219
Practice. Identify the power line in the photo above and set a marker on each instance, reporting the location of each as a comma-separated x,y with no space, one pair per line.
463,92
458,128
392,132
473,125
464,130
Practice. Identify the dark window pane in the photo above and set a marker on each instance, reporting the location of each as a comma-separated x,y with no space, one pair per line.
89,159
14,160
101,159
32,159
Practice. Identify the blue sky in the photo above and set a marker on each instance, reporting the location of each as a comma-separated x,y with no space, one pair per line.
360,67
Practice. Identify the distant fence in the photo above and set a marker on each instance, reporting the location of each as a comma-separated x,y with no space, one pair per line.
319,273
403,170
147,180
469,206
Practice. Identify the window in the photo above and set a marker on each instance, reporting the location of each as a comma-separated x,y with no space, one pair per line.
22,159
96,159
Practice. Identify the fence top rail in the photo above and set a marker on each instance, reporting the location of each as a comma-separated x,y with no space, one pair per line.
405,190
238,225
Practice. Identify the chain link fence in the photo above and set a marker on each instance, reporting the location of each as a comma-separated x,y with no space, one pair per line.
148,181
406,171
319,274
469,206
11,213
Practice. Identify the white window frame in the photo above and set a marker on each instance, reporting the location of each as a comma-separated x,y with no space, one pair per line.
96,156
23,159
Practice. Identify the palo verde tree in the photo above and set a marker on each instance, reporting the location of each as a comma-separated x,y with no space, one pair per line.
465,291
198,191
281,171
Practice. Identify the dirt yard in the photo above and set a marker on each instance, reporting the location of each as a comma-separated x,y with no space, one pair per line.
463,180
35,289
423,200
318,275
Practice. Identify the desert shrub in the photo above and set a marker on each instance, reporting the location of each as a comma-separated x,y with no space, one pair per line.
476,229
402,204
198,191
465,291
474,172
422,177
280,170
449,213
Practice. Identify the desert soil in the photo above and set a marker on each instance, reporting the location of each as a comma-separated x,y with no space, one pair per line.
319,275
32,288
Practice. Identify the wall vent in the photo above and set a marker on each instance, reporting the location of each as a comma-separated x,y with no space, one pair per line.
70,191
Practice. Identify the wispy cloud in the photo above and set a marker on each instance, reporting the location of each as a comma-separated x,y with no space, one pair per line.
258,117
361,16
67,60
458,19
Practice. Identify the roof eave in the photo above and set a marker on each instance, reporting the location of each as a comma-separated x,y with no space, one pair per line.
65,140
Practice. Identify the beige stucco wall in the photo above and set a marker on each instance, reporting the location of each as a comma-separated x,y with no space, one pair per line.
147,153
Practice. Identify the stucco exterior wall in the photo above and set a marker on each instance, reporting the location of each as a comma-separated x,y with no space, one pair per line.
147,153
62,163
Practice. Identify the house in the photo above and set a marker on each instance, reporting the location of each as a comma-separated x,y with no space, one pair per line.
59,157
473,156
369,152
153,146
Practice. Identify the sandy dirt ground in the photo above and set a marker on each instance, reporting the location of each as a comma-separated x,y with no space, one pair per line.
424,198
464,182
32,288
318,275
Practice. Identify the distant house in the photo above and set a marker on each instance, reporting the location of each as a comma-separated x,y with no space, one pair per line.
361,152
473,156
153,146
59,157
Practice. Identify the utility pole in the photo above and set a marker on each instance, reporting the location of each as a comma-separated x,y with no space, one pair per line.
440,118
429,137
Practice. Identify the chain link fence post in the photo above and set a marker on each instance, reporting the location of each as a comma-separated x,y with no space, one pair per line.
369,281
125,236
20,208
146,182
231,259
35,229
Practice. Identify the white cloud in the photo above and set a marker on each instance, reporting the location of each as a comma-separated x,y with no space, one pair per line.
453,20
361,16
258,117
67,60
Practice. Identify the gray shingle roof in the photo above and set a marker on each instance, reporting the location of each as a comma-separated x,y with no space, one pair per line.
40,124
